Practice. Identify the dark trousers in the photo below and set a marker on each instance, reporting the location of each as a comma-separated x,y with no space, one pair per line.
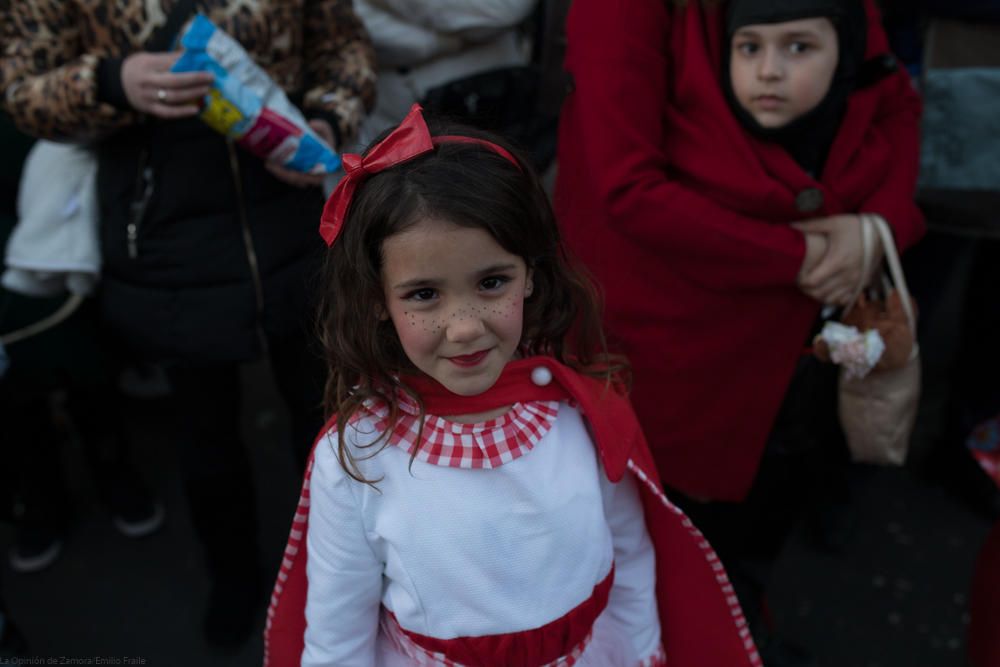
954,280
214,463
804,465
976,392
30,456
73,360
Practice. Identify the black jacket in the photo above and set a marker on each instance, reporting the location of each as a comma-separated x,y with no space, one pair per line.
222,253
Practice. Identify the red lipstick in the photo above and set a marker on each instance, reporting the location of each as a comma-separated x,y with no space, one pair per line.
468,360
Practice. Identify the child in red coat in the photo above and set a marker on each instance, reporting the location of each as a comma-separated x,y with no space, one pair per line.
714,158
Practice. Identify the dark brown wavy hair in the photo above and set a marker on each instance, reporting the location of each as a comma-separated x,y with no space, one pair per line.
468,185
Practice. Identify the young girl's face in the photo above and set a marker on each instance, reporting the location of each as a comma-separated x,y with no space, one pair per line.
781,71
456,299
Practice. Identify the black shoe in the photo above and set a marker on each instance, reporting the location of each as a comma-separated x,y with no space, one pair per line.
134,512
37,544
231,615
138,522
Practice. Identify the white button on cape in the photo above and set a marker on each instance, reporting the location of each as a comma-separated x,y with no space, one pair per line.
541,376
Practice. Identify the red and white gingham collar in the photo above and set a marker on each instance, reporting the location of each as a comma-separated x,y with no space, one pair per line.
488,444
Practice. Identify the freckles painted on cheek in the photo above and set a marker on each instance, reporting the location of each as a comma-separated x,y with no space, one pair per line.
509,307
427,324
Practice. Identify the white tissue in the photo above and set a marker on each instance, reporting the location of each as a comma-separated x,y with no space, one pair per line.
857,352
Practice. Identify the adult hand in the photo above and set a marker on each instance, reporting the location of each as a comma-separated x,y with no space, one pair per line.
297,178
836,278
152,88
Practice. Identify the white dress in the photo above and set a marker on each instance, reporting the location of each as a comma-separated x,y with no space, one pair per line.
498,539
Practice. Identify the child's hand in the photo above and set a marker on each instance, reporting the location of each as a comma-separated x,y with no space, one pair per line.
816,247
837,277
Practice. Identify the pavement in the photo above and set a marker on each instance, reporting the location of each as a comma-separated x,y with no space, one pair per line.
895,596
111,597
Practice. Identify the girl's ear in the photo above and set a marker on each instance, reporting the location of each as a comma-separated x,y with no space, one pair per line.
529,284
381,313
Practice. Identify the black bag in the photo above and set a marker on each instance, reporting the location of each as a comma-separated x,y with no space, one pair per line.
502,100
519,102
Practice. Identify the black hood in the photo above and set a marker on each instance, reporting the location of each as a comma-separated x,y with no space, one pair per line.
809,137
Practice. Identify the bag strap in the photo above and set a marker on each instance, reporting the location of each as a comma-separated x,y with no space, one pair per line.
69,306
163,37
867,256
895,266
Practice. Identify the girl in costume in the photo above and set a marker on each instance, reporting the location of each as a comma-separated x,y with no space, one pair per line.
713,159
483,494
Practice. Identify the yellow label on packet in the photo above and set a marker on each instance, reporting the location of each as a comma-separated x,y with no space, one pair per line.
220,114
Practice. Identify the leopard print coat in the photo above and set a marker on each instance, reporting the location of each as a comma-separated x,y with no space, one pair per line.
52,48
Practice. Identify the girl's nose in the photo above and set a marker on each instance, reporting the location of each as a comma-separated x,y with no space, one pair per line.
770,66
464,326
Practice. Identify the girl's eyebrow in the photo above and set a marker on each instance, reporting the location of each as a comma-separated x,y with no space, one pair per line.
417,282
435,282
799,34
497,268
795,34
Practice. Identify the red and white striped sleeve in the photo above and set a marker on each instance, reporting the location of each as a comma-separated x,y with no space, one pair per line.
344,573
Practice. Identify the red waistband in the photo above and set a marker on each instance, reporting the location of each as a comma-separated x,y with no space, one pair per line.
539,646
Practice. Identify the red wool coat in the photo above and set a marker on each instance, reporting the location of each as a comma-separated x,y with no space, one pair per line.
683,217
700,618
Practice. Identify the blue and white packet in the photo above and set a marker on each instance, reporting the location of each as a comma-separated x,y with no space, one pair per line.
247,105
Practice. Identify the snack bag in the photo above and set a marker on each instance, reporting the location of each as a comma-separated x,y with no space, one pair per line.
247,105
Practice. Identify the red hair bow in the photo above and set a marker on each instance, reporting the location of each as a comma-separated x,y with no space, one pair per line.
409,140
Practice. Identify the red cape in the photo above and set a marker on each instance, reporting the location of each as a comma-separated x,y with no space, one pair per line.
683,218
984,604
701,620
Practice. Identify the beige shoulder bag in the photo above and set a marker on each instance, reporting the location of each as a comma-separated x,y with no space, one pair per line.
878,410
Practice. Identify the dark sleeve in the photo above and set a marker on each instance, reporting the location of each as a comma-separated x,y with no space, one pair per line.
109,83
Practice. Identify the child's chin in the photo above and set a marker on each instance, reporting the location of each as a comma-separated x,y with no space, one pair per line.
771,121
470,389
471,386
